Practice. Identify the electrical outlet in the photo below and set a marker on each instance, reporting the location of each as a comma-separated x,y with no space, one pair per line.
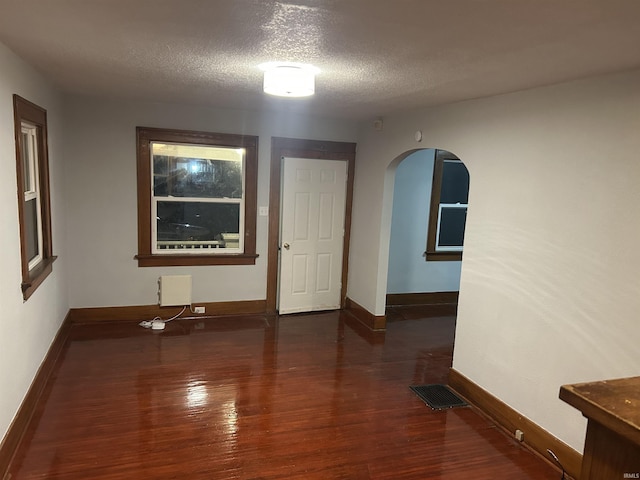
199,309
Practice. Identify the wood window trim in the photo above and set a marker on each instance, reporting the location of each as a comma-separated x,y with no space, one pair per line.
144,137
436,187
317,150
26,111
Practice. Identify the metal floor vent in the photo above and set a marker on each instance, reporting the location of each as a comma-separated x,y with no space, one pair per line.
438,397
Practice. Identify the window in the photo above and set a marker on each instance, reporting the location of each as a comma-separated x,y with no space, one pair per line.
34,208
448,212
196,198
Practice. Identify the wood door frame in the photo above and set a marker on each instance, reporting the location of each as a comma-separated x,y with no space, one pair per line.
315,150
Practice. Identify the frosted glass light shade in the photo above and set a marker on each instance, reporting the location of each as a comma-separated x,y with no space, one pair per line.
289,79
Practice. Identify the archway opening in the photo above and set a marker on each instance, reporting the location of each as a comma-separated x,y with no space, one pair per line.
426,234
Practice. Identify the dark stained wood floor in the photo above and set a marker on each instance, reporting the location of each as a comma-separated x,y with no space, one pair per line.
299,397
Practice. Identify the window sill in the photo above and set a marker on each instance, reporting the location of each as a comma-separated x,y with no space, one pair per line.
37,276
145,260
443,256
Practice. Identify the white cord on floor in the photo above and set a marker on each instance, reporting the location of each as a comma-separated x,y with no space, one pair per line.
149,323
184,309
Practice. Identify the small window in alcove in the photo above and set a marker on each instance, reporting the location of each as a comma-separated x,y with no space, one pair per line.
448,212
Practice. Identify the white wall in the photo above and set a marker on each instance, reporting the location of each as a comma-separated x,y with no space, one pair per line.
408,270
101,185
550,290
27,328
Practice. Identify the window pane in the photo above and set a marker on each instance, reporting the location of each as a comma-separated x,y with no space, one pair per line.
196,190
197,171
455,183
26,145
31,228
36,255
452,222
214,225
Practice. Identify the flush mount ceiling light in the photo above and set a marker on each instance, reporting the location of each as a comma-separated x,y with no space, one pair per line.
286,79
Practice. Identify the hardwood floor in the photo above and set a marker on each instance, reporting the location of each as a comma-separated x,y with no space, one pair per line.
299,397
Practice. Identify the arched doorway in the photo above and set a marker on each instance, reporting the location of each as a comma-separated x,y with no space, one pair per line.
428,215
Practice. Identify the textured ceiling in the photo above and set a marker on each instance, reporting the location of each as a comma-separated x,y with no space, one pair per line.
375,56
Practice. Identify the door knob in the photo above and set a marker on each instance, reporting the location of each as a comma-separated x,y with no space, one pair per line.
287,246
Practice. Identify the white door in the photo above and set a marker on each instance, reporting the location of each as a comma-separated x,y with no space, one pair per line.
311,234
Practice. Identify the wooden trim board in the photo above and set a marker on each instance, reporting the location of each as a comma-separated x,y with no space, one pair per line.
374,322
426,298
535,437
148,312
27,408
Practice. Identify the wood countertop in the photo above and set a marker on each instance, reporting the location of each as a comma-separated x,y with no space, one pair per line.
614,404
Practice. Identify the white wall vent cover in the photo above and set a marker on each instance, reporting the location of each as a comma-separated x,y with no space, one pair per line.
174,290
